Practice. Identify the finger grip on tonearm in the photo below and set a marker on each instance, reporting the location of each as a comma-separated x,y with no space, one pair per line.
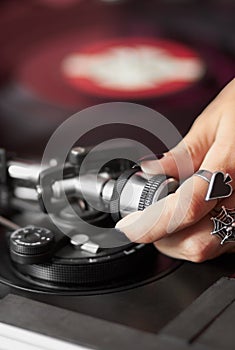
117,188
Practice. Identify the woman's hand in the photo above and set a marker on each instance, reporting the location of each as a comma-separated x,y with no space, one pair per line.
180,225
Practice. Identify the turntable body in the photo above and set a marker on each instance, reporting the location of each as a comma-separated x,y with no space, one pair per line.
140,313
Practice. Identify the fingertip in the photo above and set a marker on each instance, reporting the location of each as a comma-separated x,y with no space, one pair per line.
151,157
128,220
167,165
128,225
152,167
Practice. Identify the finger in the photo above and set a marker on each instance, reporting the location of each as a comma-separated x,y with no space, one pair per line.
184,159
193,244
176,211
179,210
187,206
196,243
200,137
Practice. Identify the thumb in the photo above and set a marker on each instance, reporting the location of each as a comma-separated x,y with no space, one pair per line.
185,158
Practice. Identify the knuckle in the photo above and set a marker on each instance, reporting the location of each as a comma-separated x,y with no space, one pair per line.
193,211
196,250
192,150
152,235
147,238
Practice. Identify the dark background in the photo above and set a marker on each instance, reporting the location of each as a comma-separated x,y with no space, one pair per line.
27,27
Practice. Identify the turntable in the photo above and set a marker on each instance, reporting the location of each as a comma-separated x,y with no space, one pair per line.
100,290
66,253
69,246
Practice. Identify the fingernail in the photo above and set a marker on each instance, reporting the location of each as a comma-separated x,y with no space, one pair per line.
150,157
135,166
121,236
146,158
127,220
120,233
119,226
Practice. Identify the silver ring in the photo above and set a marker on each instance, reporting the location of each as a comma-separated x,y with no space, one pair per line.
204,174
219,184
224,225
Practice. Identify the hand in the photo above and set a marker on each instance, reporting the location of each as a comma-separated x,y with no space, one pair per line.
180,225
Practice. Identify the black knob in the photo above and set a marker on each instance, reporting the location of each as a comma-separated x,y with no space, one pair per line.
31,240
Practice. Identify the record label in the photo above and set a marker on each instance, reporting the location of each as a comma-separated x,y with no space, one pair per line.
132,68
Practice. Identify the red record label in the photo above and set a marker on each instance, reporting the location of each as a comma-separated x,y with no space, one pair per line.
132,68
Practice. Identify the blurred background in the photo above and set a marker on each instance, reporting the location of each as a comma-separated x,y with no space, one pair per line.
61,56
